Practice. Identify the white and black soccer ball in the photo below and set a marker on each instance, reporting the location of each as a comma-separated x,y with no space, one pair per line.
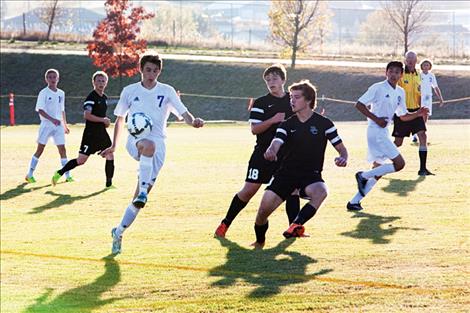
139,125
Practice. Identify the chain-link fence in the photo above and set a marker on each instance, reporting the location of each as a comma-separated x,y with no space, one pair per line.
245,25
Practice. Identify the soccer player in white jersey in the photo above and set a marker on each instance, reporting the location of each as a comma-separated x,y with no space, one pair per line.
428,84
380,102
50,106
156,100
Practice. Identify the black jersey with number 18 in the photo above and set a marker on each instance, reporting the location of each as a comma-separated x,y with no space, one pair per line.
263,109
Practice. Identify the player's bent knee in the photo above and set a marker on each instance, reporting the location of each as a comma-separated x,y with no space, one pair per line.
146,147
399,165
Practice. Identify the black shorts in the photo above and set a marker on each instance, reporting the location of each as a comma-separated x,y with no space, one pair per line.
403,129
284,185
94,141
260,170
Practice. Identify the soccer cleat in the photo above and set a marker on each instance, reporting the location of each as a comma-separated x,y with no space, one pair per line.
424,172
70,179
294,230
140,200
117,241
415,139
221,230
354,206
257,245
109,184
30,179
361,183
55,178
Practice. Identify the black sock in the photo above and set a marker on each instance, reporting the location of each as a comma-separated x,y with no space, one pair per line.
260,231
292,207
305,214
235,207
69,166
422,159
109,170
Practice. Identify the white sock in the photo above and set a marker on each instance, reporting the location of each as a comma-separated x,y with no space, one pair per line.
379,171
145,171
63,162
32,165
129,216
369,185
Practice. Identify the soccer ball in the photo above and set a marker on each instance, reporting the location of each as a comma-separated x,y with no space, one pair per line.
139,125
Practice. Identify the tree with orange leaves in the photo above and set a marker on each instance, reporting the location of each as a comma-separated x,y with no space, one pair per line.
115,48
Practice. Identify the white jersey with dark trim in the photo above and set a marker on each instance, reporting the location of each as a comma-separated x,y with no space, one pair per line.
51,102
263,109
157,103
384,101
305,143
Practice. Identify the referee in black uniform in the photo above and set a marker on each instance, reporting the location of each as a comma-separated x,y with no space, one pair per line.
265,115
95,137
305,136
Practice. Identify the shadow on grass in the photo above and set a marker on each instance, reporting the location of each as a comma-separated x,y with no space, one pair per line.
19,190
62,200
402,186
82,299
269,269
375,227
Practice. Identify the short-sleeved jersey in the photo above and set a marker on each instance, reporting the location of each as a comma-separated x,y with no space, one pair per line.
263,109
384,101
157,103
428,82
51,102
411,83
97,106
305,144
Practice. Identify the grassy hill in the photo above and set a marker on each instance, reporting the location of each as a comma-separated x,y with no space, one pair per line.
23,74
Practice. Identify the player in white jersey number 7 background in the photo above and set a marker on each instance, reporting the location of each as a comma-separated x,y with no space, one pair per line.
157,101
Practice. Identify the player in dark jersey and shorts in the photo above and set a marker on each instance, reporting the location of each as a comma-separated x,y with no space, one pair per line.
305,136
265,115
95,137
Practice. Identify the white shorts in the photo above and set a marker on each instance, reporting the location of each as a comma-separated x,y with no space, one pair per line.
48,130
158,157
426,101
380,145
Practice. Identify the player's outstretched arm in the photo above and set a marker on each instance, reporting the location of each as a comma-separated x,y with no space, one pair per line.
423,111
342,159
117,132
438,92
273,149
191,120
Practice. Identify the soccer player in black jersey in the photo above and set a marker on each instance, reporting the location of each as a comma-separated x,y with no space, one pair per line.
305,136
95,137
266,114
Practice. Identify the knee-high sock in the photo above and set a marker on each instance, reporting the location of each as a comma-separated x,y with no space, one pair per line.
379,171
63,162
307,212
70,165
129,216
369,185
423,154
260,231
145,171
235,207
32,165
109,170
292,207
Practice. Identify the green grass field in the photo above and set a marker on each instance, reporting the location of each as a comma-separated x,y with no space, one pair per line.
407,252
